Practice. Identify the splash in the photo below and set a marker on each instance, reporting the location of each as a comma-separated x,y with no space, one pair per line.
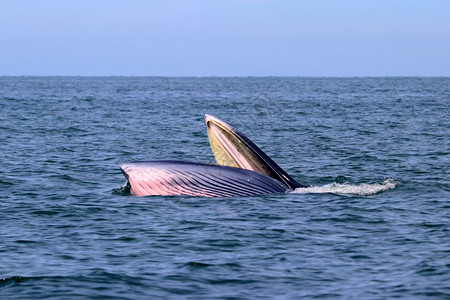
363,189
123,190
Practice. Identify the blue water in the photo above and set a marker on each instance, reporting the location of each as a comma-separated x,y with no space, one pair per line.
373,224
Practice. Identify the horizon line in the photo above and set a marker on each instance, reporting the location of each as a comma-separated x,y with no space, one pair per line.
241,76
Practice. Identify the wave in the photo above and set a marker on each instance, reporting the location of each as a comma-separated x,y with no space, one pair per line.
363,189
123,190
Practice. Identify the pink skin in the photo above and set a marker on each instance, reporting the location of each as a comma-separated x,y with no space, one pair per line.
147,182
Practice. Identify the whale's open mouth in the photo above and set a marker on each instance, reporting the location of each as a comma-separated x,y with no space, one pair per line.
234,149
242,169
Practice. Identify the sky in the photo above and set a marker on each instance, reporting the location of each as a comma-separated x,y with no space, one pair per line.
225,38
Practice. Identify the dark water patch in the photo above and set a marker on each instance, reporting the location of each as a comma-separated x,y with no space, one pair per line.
341,179
197,265
5,183
26,242
46,212
4,282
70,286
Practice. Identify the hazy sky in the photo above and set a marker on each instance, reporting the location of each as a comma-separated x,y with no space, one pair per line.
225,38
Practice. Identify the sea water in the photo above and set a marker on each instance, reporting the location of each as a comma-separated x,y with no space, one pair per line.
374,222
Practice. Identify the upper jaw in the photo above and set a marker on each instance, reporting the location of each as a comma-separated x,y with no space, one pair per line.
227,145
232,148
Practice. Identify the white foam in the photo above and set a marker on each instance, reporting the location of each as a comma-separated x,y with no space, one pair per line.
362,189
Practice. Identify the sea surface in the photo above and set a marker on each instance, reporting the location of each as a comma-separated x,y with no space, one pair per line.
374,222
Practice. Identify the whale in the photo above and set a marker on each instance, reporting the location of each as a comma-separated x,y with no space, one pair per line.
241,169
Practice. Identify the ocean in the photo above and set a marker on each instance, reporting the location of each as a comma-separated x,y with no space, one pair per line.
374,222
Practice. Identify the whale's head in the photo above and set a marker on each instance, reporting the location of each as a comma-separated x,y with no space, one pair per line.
234,149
